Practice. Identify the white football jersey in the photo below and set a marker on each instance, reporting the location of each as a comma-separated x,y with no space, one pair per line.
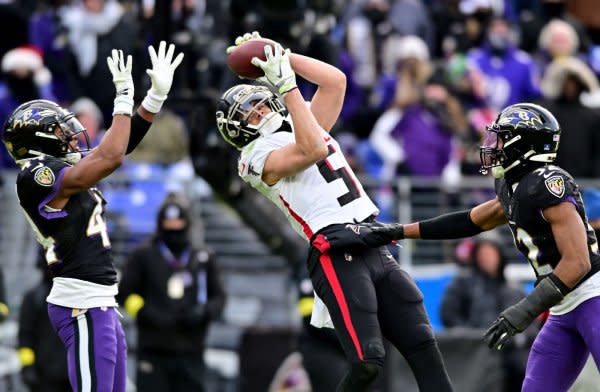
323,194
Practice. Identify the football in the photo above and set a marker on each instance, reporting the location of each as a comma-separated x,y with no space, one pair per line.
239,59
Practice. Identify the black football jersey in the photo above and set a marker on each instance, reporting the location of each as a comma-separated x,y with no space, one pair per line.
523,206
75,238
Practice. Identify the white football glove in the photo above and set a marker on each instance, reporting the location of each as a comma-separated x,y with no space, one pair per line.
277,68
241,39
161,75
121,73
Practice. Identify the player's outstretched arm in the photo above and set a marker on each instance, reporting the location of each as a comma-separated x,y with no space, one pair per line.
467,223
109,154
461,224
327,102
161,76
310,146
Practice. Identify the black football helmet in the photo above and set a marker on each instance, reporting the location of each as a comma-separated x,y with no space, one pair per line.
523,135
236,105
41,127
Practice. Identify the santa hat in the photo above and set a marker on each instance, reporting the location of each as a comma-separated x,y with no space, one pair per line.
28,57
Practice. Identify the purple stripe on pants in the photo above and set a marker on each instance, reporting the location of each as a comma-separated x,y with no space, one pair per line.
562,347
96,348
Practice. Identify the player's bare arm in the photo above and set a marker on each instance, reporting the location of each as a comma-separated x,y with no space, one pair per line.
327,102
571,240
110,153
125,132
310,146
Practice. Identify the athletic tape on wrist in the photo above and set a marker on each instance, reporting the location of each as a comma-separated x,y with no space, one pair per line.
123,104
153,102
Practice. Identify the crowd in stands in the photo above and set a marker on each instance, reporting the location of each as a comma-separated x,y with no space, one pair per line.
424,76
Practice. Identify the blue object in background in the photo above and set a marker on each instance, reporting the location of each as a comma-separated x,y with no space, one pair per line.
433,289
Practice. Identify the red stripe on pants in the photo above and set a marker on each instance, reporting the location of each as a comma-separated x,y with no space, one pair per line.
341,300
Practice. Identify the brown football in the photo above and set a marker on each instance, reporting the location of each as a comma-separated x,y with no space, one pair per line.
239,59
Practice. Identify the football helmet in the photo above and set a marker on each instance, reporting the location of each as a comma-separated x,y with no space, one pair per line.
41,127
235,107
523,135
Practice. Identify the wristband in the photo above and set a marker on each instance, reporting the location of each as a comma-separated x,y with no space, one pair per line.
123,104
563,288
153,102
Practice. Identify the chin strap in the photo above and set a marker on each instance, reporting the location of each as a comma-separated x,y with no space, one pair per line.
270,123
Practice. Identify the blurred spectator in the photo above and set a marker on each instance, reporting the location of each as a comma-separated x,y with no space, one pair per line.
364,36
47,32
173,290
411,17
536,14
41,353
406,67
322,354
95,28
13,20
476,296
502,75
559,39
585,12
90,116
24,78
569,87
415,136
166,143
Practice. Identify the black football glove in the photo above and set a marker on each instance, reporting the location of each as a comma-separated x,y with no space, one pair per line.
517,318
499,333
364,235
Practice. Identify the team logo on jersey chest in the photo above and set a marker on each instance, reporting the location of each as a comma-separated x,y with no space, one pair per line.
555,185
44,176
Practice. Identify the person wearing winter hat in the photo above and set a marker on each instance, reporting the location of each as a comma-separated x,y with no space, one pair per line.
24,78
571,91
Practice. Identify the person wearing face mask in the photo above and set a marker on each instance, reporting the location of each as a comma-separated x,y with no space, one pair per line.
506,74
172,289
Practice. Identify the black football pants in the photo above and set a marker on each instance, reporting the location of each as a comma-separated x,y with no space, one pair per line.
370,297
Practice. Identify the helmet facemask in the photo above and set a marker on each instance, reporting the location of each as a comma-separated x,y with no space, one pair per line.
42,127
68,133
233,121
522,137
492,153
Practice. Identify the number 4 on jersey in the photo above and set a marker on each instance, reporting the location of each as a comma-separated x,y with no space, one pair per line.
96,225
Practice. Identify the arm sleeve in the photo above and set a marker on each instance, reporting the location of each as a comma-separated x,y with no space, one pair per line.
139,129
